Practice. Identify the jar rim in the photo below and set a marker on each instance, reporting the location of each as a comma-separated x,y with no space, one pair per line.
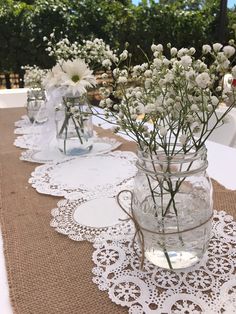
160,156
180,164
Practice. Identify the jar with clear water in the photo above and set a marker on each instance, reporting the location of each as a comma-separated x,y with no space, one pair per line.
36,105
172,204
74,126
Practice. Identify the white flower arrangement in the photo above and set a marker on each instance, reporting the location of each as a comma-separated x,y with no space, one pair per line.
67,84
169,101
95,52
70,77
34,76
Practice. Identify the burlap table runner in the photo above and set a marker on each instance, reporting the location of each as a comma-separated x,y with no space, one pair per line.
47,272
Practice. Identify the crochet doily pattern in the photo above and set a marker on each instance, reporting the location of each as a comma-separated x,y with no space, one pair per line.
208,287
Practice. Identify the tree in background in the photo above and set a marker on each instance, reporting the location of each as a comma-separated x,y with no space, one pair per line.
14,38
183,23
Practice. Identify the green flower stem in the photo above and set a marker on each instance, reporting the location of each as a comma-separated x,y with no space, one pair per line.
65,138
77,130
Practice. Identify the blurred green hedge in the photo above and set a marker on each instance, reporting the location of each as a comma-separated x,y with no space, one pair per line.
183,23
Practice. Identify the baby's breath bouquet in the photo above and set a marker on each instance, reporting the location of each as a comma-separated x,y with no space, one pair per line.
96,53
36,97
170,100
168,105
34,76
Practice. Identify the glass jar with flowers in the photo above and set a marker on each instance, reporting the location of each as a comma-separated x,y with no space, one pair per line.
36,96
165,105
73,116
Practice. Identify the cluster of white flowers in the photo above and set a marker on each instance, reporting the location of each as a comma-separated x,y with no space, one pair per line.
94,52
70,77
34,76
170,100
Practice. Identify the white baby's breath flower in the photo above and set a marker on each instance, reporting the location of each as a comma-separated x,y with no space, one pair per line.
106,63
109,102
163,131
104,75
209,108
166,62
190,75
195,127
203,80
148,73
214,101
137,69
229,51
194,108
134,116
153,47
122,80
183,139
159,48
102,103
217,47
124,73
192,50
144,66
157,63
138,94
149,108
116,72
225,65
148,83
169,77
141,108
124,55
186,61
182,52
173,51
206,49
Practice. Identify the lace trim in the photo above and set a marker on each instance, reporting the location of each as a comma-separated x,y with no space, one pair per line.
100,146
50,178
207,287
66,222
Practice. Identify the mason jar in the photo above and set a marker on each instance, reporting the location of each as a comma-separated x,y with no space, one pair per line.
36,105
172,205
74,126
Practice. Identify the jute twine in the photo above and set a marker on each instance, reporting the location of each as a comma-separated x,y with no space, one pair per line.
139,228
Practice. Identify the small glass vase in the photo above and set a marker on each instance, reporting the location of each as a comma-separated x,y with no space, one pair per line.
74,126
172,205
36,105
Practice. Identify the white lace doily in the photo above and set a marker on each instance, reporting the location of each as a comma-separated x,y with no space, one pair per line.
85,219
208,287
30,129
23,122
100,146
27,141
90,176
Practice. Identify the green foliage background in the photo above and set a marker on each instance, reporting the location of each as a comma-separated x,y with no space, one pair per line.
183,23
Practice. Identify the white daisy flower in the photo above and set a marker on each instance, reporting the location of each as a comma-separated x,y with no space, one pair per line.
77,77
